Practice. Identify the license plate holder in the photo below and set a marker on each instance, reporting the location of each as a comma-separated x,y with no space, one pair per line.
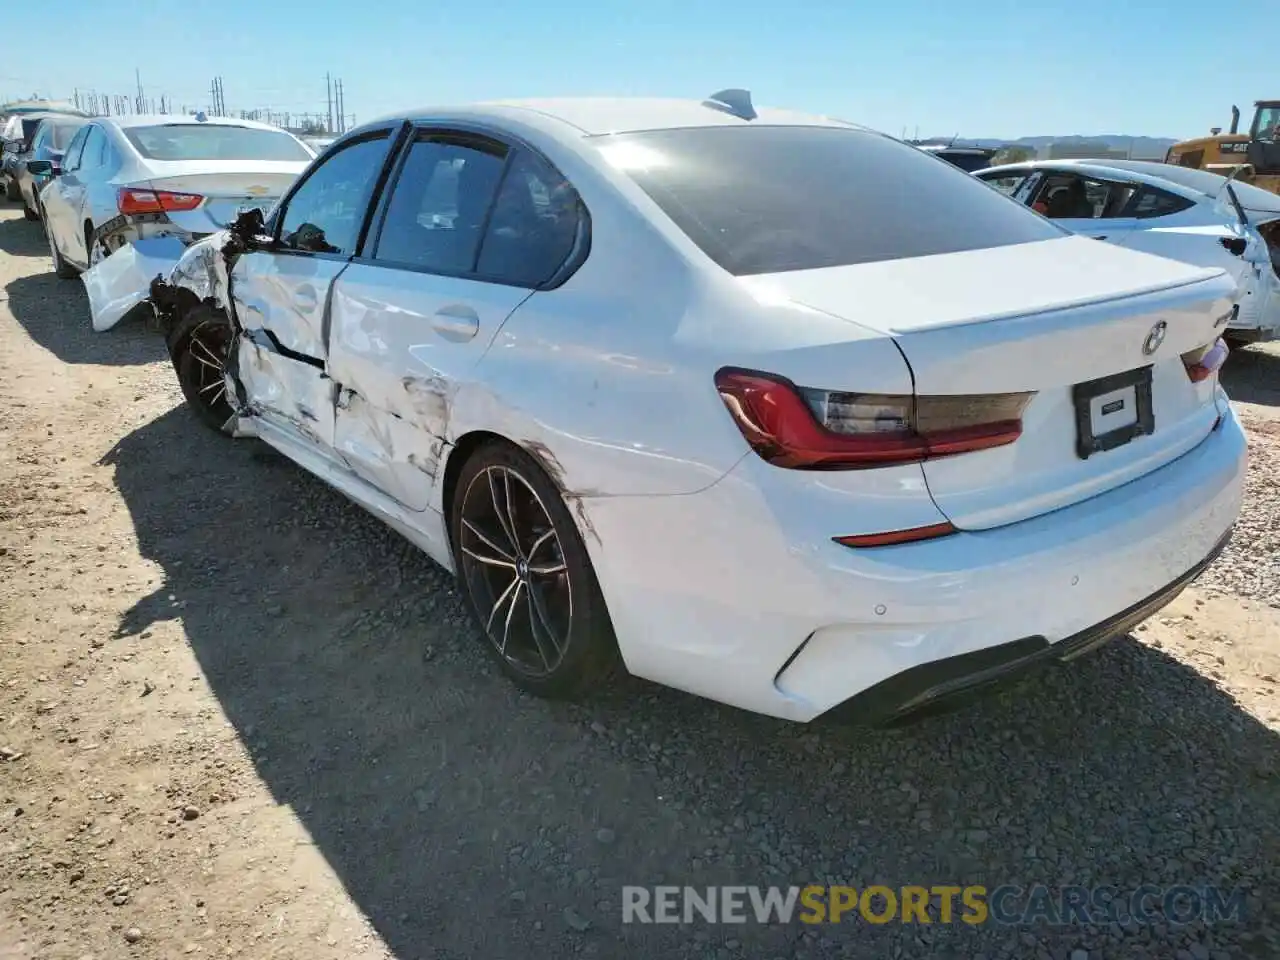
1111,411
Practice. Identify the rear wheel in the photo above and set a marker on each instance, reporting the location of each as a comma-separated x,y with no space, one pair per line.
27,212
526,572
11,191
199,344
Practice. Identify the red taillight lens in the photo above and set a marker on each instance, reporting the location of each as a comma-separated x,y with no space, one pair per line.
803,428
132,201
1204,362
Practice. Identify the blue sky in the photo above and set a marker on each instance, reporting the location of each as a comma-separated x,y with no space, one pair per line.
997,68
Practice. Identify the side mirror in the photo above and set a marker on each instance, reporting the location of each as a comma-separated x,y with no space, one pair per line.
42,168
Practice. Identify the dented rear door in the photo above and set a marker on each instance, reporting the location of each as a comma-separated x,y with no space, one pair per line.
411,317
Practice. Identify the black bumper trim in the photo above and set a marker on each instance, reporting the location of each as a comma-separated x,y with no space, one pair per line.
943,685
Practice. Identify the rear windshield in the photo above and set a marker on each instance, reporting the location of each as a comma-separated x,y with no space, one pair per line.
209,141
769,199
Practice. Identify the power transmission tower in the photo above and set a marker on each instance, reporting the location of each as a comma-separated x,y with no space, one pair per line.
342,125
140,105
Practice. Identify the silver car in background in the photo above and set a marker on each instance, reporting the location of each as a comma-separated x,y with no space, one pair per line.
129,178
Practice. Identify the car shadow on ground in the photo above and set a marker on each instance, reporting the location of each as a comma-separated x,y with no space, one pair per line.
466,819
55,313
1252,375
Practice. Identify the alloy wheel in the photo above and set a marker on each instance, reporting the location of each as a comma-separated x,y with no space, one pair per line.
208,346
515,567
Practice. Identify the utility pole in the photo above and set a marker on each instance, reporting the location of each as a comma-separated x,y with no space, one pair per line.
141,103
342,104
328,94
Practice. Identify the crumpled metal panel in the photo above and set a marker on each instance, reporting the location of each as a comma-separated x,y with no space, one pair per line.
123,280
203,269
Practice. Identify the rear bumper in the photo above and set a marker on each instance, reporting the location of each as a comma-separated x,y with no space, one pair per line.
948,683
738,593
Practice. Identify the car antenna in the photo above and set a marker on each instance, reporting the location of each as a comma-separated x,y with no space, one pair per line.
734,101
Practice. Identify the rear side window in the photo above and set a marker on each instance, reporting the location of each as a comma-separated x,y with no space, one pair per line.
1153,202
769,199
534,225
214,141
437,211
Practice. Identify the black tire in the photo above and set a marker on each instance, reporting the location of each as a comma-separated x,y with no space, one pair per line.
11,190
27,212
61,268
588,656
196,343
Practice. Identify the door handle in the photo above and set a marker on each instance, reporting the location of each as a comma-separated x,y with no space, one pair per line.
1103,237
456,322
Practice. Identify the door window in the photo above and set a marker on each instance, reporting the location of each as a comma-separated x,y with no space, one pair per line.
71,159
1067,196
534,226
91,158
437,212
326,212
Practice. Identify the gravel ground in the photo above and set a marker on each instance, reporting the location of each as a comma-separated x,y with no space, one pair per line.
240,718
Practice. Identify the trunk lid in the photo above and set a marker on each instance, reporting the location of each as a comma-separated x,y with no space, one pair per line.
1046,318
227,186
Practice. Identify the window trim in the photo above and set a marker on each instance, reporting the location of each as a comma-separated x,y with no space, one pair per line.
514,145
393,135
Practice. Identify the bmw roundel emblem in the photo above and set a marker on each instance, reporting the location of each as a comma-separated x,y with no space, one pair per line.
1155,338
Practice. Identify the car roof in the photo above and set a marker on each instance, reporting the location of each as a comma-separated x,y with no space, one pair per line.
127,121
598,116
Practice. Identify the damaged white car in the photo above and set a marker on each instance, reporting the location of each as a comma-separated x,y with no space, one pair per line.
678,385
1190,215
129,178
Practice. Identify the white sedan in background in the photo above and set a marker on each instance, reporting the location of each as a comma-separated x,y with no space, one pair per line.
1171,211
127,178
680,384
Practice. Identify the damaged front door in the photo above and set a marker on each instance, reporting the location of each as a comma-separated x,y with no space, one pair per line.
282,292
416,312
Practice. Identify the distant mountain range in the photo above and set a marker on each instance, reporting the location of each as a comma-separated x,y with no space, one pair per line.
1138,146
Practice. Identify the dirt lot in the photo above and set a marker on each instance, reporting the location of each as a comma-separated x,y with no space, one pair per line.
238,718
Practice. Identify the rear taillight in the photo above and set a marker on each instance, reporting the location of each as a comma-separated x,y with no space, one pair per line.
134,201
1204,362
804,428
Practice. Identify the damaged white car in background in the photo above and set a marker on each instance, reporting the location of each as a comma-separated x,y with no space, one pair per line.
133,191
677,385
1190,215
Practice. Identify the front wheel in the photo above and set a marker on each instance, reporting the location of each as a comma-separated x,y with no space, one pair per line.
525,570
199,345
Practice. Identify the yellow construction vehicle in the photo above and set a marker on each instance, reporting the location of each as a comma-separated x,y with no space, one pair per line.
1253,157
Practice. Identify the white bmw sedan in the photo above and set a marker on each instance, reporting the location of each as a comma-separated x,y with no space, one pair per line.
764,406
127,178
